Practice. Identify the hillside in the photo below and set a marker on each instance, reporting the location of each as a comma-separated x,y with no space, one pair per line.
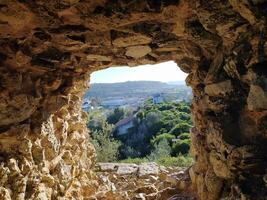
136,89
103,90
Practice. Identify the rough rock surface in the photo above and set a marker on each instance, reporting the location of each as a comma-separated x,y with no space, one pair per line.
147,181
48,49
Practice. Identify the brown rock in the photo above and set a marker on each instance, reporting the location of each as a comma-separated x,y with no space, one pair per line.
138,51
257,98
48,49
133,40
217,89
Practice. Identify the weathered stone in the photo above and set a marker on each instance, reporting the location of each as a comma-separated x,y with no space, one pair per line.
48,180
132,186
138,51
147,169
217,89
220,167
244,10
147,189
231,69
127,169
213,183
98,58
133,40
106,167
4,194
257,98
48,50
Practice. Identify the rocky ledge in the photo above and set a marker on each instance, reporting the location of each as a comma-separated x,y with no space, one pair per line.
147,181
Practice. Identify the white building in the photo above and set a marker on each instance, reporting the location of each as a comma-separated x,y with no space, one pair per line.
113,103
124,125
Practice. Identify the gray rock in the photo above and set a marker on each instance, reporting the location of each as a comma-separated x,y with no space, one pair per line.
146,169
106,167
127,169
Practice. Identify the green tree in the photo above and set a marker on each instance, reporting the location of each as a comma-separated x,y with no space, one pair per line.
181,147
153,122
180,128
184,107
95,120
107,148
129,152
115,116
164,136
184,136
161,150
140,115
185,116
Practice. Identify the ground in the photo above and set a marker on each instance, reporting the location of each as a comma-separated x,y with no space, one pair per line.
147,181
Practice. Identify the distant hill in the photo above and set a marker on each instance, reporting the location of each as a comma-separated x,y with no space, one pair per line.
133,93
125,88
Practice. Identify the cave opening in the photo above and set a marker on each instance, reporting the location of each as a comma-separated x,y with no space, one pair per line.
140,117
49,48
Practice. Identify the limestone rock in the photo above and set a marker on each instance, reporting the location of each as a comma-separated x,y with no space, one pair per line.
4,194
220,167
138,51
127,169
148,169
125,184
133,40
220,88
257,98
49,48
98,58
106,167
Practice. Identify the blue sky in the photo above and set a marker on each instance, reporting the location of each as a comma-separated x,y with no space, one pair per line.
164,72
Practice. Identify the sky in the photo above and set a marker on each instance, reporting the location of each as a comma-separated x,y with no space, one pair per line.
164,72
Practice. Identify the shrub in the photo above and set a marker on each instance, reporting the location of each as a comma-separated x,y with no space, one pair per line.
181,147
129,152
161,137
184,116
107,149
162,149
95,120
140,115
184,136
180,128
179,161
115,116
165,106
137,161
184,107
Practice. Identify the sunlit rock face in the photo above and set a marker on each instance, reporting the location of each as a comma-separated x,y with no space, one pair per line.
49,48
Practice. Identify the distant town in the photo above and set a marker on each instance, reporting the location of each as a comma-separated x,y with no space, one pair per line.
140,121
133,94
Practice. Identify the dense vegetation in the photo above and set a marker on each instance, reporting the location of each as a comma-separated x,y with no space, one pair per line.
160,133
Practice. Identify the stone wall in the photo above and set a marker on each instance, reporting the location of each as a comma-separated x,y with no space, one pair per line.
147,181
48,49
